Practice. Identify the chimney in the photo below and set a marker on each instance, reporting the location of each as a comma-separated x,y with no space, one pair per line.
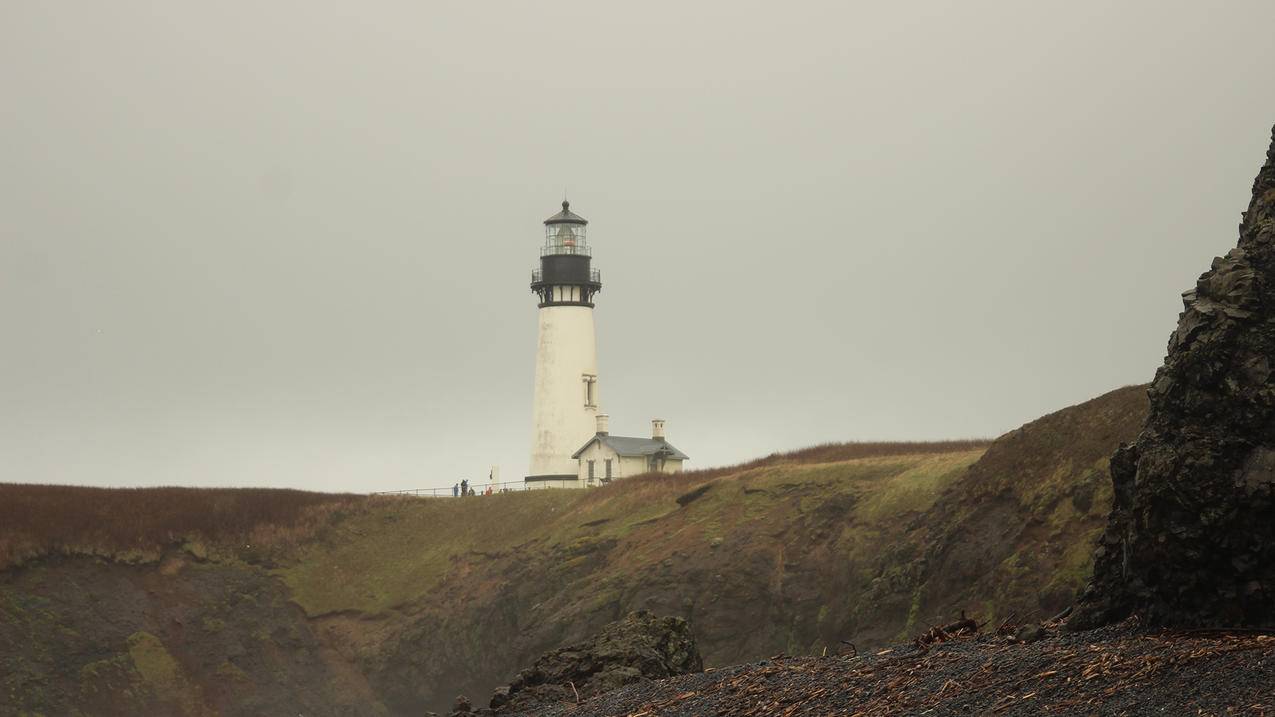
602,424
657,429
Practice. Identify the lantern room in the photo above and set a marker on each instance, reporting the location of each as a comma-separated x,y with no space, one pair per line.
565,233
565,277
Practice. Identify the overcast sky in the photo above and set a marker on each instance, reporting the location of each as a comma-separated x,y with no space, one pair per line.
289,243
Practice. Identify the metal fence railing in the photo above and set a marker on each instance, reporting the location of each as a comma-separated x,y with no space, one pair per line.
481,489
580,249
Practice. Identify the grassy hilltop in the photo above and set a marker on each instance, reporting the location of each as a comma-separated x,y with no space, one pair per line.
243,602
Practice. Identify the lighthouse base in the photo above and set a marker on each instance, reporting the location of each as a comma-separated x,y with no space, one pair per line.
556,480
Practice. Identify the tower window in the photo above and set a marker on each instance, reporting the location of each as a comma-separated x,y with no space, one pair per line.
590,391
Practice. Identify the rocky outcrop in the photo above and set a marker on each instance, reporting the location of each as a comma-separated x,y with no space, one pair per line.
1113,671
464,708
1191,536
641,646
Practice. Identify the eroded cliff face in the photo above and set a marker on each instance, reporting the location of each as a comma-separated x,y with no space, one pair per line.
1191,536
400,605
183,636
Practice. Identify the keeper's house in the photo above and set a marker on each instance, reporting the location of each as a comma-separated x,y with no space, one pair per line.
606,457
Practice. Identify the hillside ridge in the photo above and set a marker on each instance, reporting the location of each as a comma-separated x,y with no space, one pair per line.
393,605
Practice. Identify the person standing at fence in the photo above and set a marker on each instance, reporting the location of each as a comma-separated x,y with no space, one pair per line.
455,489
464,486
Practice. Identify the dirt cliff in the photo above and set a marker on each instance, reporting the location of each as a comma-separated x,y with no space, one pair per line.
181,636
400,605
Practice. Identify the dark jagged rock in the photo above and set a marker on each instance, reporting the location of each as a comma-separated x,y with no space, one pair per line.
641,646
462,708
1117,670
1030,633
1191,536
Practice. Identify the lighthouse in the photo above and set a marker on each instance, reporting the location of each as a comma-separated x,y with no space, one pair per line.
565,402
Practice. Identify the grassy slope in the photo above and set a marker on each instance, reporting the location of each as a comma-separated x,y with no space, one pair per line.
772,558
417,600
137,525
401,549
780,555
1017,532
389,556
183,637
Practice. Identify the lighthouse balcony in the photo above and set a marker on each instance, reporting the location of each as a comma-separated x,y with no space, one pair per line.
538,277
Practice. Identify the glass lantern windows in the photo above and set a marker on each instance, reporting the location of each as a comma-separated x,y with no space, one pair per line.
565,239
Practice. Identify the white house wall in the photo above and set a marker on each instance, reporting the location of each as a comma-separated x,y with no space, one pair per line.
598,454
633,465
621,466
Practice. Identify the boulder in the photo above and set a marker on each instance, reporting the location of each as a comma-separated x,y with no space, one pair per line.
464,708
1191,536
1030,633
639,647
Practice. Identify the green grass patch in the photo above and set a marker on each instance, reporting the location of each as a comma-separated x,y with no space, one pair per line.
153,662
401,548
914,487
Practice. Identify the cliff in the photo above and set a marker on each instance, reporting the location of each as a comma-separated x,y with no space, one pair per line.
1191,537
341,605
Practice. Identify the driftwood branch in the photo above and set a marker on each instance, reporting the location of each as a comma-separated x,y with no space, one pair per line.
962,627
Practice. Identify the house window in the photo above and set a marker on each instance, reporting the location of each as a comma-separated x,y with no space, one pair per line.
608,468
590,470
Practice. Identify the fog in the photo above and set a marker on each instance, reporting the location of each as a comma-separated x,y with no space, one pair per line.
289,243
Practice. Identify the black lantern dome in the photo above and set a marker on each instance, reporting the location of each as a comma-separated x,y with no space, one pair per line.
566,216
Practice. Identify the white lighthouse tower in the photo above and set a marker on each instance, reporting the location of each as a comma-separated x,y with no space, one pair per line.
565,408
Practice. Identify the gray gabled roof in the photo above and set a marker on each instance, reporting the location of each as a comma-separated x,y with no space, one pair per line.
566,216
628,446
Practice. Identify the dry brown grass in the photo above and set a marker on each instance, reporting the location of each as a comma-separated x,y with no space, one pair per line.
139,523
833,452
1080,436
654,484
